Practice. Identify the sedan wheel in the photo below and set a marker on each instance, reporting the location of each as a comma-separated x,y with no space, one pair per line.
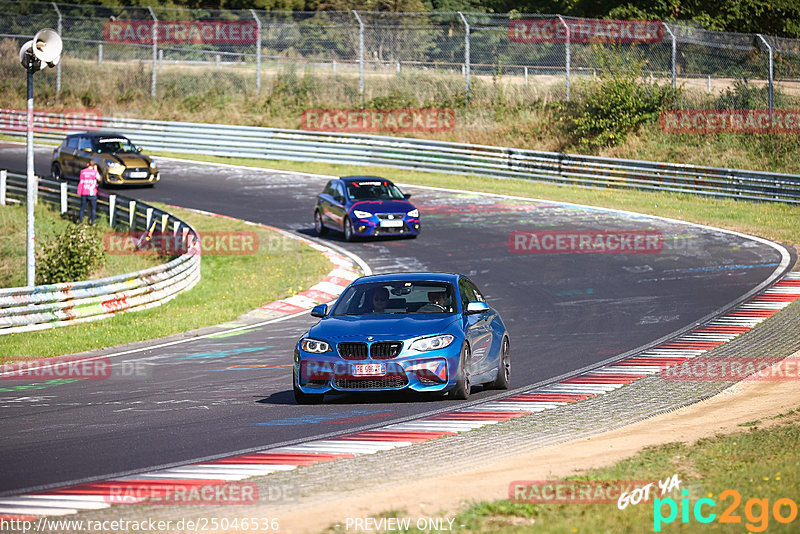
55,172
463,383
348,230
318,226
503,368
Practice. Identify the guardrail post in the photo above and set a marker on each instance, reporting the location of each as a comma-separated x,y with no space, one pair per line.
567,60
155,53
360,53
64,205
258,51
674,60
769,49
112,209
149,213
131,213
164,222
3,180
466,51
58,67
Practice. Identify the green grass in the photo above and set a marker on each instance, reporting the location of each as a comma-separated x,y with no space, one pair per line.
778,222
758,464
48,225
230,286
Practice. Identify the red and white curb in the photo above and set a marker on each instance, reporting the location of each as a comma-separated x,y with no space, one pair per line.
96,495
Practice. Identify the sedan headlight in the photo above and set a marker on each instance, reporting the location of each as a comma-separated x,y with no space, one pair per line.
413,213
432,343
362,214
314,346
114,164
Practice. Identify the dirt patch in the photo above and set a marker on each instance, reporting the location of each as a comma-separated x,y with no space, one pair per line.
443,496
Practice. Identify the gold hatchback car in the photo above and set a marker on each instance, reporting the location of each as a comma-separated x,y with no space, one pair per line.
118,160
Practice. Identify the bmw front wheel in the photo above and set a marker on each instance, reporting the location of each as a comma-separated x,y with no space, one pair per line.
463,384
503,368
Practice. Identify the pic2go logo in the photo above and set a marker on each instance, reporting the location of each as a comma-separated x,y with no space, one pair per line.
756,511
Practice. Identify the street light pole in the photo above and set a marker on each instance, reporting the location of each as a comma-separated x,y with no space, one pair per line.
44,50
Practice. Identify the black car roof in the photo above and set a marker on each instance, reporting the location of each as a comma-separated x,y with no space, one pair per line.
98,134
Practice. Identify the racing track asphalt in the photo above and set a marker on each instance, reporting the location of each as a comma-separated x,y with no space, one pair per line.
563,312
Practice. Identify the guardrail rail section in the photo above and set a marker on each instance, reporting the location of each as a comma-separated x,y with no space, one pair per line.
435,156
25,309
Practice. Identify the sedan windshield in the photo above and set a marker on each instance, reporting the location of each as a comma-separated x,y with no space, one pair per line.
114,144
397,297
373,190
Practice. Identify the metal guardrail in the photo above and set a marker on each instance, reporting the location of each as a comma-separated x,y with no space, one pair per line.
25,309
433,156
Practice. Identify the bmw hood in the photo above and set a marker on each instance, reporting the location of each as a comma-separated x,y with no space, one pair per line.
383,206
381,327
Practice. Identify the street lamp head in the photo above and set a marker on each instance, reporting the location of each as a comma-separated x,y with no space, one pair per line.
43,51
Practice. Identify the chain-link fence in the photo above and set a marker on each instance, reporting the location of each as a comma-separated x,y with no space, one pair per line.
200,54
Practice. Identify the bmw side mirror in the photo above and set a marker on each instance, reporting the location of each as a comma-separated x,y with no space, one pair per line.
476,306
406,195
320,310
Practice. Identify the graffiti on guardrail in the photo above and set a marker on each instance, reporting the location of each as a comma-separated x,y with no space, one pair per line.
730,121
52,120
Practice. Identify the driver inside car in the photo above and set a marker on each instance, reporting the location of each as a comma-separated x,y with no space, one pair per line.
437,302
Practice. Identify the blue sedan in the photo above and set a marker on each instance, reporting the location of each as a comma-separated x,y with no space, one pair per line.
365,206
427,332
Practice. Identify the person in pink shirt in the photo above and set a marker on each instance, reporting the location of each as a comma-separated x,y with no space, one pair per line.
87,190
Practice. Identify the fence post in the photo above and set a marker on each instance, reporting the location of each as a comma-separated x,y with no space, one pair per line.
360,53
3,179
99,54
334,67
674,60
112,210
466,52
155,53
566,53
258,50
64,204
58,67
769,49
131,214
526,75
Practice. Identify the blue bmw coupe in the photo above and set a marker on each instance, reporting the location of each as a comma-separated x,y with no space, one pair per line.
365,206
427,332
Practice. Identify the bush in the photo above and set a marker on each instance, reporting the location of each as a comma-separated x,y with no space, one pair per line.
69,257
618,104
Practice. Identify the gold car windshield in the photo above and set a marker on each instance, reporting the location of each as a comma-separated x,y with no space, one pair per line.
115,145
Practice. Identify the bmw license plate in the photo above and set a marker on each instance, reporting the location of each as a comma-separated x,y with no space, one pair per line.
138,174
391,223
369,369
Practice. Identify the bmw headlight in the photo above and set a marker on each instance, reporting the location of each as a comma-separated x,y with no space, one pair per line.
432,342
113,164
362,214
413,213
314,346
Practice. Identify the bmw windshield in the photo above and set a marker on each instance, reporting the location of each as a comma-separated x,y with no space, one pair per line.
397,297
373,190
